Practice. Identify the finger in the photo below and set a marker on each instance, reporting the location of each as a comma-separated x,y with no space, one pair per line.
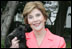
17,41
17,45
14,39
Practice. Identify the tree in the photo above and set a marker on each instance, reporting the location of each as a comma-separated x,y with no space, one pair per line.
61,17
7,16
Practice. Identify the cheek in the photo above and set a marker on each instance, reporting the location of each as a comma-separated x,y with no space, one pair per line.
29,21
43,19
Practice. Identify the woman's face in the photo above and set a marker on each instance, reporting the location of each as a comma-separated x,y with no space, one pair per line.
36,19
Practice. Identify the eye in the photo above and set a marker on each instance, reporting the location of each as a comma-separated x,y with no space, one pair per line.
38,15
30,17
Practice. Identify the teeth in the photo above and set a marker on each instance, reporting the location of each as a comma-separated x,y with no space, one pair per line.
37,24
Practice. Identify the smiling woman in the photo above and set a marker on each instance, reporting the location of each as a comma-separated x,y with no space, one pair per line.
36,19
40,37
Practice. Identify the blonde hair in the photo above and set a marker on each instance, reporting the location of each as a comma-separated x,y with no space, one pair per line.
30,6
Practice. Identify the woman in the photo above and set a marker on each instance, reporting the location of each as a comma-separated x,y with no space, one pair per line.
40,37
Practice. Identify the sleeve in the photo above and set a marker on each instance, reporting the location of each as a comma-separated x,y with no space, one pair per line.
62,43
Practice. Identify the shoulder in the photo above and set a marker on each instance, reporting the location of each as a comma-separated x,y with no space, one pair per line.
56,39
59,40
53,36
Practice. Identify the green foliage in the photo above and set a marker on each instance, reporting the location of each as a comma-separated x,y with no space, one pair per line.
2,43
68,45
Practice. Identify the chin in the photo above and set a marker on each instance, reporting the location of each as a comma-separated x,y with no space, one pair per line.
37,28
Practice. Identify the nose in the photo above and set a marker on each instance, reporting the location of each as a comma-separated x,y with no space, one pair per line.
35,19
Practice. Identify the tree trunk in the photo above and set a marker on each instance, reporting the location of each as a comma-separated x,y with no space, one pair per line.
61,18
7,17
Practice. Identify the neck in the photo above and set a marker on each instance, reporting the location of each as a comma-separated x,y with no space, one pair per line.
40,33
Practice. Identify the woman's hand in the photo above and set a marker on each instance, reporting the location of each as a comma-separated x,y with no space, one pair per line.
15,43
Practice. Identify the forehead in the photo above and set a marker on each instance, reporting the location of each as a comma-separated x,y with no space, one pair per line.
34,11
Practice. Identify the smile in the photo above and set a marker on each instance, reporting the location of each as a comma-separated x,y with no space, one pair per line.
36,25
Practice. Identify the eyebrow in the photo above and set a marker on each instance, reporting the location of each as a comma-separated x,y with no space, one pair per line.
29,16
35,14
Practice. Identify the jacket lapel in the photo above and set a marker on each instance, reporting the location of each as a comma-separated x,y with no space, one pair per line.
31,41
48,41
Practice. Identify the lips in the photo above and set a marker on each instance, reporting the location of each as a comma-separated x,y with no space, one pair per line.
36,24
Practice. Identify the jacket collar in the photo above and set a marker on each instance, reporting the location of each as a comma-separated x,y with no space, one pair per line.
32,41
49,35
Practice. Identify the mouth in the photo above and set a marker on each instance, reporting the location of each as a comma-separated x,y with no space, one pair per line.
37,24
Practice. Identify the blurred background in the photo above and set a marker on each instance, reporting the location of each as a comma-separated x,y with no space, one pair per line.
59,18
